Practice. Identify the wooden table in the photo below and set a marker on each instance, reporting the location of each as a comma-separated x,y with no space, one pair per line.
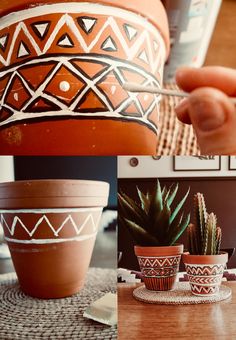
222,50
139,320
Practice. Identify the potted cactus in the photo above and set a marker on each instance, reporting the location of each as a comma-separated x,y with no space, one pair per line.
205,262
156,227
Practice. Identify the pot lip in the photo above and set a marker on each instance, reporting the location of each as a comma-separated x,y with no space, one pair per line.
176,249
201,259
52,181
155,15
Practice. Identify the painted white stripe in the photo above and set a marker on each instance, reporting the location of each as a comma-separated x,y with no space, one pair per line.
49,241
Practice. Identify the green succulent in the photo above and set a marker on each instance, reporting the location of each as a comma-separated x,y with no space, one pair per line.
204,236
152,221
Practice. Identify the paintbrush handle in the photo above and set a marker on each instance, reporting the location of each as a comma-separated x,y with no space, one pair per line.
130,87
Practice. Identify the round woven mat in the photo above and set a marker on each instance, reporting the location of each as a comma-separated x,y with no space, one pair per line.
23,317
181,295
175,138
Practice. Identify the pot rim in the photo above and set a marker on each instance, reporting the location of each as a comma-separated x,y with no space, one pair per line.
176,249
221,258
53,193
154,11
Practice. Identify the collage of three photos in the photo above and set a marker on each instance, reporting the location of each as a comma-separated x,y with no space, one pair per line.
117,169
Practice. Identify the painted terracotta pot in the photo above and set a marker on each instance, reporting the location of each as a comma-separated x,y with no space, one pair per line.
62,67
205,272
50,227
159,266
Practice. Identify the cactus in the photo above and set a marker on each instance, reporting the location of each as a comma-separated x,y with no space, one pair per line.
152,221
204,237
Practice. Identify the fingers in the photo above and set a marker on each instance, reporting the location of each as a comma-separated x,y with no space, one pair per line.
213,117
223,79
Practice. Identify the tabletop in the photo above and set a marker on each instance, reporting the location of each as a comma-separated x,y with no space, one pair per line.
138,320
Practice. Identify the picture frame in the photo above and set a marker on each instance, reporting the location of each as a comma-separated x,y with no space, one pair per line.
197,163
232,162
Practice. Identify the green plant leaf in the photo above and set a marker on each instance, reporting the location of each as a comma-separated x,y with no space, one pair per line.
142,237
161,224
173,193
179,207
130,209
145,203
180,229
156,203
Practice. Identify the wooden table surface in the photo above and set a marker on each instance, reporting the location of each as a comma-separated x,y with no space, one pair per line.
138,320
222,50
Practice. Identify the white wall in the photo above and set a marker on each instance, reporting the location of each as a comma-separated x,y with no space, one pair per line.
150,168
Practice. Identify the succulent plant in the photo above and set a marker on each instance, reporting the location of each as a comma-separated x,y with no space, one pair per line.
152,221
204,236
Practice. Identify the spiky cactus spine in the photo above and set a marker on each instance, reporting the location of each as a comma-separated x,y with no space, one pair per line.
204,236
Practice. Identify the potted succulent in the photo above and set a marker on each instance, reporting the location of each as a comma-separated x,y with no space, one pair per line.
50,227
205,262
156,227
63,64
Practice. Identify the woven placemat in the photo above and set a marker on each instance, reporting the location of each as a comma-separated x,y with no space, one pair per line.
181,295
23,317
175,137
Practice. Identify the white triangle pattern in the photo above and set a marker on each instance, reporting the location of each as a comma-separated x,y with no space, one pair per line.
65,42
143,57
131,31
41,28
22,51
3,41
109,45
88,24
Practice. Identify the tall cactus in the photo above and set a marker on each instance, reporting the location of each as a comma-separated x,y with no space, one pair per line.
204,237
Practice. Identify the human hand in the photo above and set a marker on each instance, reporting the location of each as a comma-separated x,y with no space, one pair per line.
208,108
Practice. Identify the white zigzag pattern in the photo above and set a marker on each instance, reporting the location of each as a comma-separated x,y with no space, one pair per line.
69,21
203,289
78,228
205,271
159,263
91,84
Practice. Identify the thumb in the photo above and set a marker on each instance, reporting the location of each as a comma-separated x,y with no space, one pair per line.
213,116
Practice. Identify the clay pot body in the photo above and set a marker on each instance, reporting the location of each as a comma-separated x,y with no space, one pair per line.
205,272
50,227
159,266
62,67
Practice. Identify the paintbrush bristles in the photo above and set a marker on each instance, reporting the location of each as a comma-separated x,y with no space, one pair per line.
131,87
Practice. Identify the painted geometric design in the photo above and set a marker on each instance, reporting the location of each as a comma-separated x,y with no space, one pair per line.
205,279
202,290
62,83
203,270
50,225
159,266
86,33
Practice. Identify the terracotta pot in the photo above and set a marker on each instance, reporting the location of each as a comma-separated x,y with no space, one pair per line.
50,227
62,67
205,272
159,266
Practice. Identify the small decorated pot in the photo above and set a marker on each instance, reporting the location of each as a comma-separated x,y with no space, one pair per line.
63,65
205,272
50,227
159,266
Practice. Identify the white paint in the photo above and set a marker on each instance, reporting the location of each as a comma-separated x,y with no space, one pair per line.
41,28
88,23
131,32
3,41
143,57
65,42
7,169
146,97
91,84
113,89
155,44
16,97
22,51
50,241
46,211
64,86
108,44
